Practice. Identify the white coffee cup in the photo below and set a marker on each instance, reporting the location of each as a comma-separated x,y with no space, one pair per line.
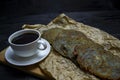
20,46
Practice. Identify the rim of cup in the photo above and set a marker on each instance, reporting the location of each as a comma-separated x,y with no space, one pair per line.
12,36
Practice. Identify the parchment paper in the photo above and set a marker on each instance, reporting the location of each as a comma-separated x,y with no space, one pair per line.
61,68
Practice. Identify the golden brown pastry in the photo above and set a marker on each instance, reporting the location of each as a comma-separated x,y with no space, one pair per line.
89,55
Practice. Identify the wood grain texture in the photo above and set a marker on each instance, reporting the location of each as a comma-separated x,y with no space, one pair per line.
32,69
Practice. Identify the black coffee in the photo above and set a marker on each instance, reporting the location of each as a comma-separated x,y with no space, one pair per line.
25,38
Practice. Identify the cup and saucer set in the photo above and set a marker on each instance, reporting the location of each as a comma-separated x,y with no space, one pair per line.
26,48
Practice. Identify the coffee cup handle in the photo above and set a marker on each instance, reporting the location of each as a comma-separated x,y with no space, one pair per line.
42,45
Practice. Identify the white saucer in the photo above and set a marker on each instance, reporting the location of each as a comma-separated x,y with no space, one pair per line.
20,61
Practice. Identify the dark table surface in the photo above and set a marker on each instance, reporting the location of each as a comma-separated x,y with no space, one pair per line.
108,21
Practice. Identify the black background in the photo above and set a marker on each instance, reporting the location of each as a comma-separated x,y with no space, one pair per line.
22,7
102,14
